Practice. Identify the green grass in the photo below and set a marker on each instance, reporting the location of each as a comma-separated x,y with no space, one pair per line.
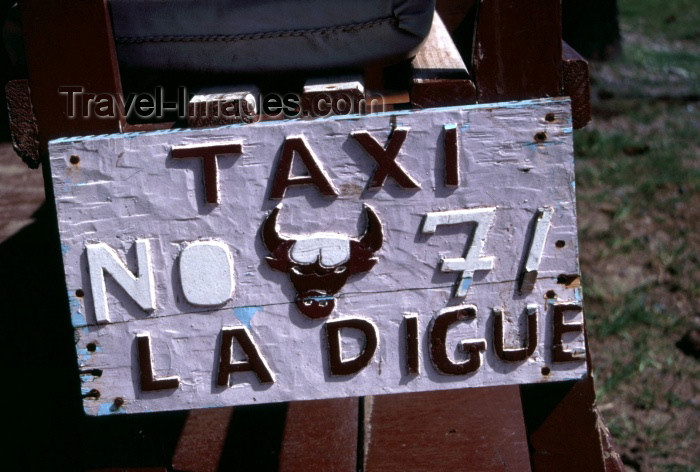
672,19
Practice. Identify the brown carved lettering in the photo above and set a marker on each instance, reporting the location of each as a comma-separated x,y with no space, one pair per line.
254,363
208,154
515,355
149,382
386,158
338,366
438,342
559,354
282,174
412,351
451,156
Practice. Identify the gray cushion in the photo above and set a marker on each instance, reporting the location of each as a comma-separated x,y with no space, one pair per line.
267,35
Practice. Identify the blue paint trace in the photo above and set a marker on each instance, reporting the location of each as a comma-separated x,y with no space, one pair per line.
109,409
320,299
245,314
76,316
464,284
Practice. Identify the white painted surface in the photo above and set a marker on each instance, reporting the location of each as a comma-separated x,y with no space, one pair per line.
329,249
544,220
140,286
127,188
474,260
206,273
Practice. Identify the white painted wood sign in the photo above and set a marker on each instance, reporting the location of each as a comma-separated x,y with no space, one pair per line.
295,260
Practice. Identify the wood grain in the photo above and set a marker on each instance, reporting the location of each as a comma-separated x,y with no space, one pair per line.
439,76
323,433
517,50
468,430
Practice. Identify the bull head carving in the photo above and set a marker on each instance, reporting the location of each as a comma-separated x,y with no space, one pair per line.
319,264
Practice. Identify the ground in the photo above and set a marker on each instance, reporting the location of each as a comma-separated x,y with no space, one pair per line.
638,177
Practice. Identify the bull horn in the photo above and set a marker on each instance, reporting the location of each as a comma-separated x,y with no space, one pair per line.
374,235
271,237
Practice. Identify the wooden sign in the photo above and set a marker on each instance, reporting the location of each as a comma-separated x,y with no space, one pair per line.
278,261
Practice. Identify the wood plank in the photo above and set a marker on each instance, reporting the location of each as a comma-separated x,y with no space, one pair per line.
63,52
468,430
202,440
24,129
440,77
322,433
563,426
577,85
517,50
453,12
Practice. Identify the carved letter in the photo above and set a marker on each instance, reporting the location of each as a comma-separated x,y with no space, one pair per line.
148,380
386,158
515,355
451,156
206,273
412,349
473,261
102,258
438,342
534,255
283,177
208,153
339,366
559,354
254,363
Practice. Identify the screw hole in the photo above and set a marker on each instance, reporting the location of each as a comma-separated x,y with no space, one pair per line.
74,159
79,293
550,117
94,393
560,244
92,347
551,294
546,370
118,402
541,137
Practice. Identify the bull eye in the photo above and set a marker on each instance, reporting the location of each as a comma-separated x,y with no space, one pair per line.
307,302
322,303
339,270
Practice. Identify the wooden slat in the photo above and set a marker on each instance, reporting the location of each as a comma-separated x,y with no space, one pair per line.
577,85
440,77
23,126
563,426
202,440
320,435
62,51
478,429
517,50
453,12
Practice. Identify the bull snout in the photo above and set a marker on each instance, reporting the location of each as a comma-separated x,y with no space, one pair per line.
315,303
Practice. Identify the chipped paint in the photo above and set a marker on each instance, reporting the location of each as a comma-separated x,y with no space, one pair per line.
245,314
76,314
109,409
